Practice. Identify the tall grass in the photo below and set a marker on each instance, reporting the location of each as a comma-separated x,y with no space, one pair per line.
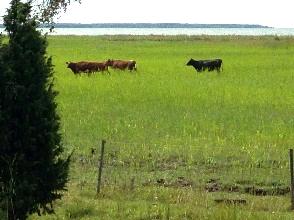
167,101
166,122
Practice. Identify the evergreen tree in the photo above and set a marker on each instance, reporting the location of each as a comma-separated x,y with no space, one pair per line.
32,170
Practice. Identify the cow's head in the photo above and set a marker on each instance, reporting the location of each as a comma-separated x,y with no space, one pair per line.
71,65
109,62
190,62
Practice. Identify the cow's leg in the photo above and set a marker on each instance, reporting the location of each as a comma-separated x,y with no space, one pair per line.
107,70
130,68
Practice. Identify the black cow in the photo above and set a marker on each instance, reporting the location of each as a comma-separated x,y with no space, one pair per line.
197,64
202,65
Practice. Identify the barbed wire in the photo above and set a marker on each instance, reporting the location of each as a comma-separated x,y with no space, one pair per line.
189,145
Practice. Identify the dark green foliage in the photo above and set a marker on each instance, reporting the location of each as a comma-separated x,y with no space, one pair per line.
32,172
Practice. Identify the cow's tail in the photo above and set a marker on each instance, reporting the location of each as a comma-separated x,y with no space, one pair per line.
222,65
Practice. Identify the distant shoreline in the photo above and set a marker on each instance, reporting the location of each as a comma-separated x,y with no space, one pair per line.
150,25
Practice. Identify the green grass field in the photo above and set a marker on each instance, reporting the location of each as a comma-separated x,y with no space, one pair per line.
177,140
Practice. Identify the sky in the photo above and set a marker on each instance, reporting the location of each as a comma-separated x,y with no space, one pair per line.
273,13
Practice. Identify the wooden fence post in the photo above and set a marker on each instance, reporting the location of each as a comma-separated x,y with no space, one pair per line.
292,178
100,166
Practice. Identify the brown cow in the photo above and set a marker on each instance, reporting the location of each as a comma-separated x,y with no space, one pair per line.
77,67
104,65
88,67
97,67
123,64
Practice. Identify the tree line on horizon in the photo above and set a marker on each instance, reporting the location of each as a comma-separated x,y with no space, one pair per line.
150,25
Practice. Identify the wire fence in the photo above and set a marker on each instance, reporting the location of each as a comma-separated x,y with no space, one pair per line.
134,165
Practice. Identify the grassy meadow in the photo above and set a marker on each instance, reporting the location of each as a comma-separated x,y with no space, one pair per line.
179,144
